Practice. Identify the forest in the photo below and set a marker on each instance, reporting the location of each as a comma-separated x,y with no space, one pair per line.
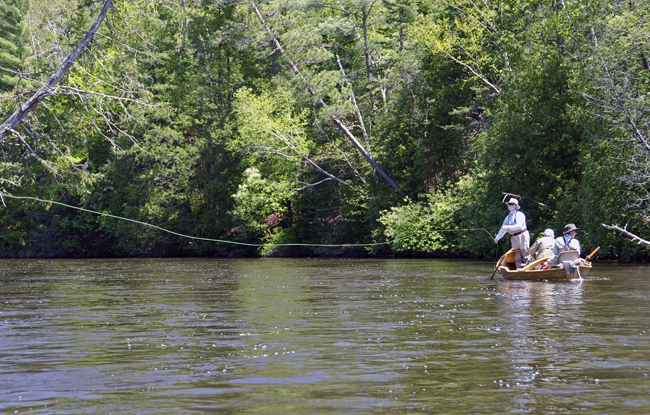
321,128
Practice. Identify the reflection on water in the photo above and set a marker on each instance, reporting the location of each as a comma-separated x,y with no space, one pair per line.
318,336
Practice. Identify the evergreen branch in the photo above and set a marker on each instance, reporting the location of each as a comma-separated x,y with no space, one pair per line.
356,172
22,140
468,66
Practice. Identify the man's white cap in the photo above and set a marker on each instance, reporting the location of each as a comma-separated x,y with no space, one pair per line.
549,232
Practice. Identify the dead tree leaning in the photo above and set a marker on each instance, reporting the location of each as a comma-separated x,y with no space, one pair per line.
48,87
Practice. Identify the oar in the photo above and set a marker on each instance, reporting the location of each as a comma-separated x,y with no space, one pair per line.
534,264
499,263
593,253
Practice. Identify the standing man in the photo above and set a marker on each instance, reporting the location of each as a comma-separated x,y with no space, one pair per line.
515,225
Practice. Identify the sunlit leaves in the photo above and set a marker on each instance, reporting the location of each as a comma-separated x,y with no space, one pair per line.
271,126
257,199
466,32
422,226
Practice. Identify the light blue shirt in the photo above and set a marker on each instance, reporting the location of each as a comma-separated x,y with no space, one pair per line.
517,222
565,243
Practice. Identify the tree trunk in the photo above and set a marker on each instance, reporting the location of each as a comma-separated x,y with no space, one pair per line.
47,88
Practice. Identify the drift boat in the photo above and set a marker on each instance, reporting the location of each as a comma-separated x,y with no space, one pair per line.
571,267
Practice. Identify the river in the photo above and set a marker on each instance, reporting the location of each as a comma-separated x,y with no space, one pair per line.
319,336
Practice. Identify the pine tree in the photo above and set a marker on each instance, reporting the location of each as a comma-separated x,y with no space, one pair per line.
400,14
14,47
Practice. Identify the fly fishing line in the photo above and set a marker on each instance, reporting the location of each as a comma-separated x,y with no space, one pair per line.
198,238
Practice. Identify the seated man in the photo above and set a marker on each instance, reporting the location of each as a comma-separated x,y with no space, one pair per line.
565,242
543,247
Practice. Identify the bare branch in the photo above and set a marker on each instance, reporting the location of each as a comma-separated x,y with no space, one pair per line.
334,8
11,182
469,15
76,91
481,13
626,233
310,185
305,157
621,105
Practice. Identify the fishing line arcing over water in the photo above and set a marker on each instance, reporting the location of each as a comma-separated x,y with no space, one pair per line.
198,238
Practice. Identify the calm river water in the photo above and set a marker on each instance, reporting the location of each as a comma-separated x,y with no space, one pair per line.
310,336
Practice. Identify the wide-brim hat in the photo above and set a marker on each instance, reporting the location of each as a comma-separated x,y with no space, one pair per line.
513,200
570,227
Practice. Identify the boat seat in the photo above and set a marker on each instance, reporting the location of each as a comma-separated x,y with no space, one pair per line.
570,255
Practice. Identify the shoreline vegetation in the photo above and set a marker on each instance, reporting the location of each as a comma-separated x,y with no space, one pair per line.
316,123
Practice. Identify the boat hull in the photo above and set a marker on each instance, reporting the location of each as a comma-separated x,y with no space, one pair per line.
558,274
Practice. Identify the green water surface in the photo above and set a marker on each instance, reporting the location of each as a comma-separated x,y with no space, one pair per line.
314,336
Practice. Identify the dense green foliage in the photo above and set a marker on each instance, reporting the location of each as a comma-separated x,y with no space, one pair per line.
219,120
14,41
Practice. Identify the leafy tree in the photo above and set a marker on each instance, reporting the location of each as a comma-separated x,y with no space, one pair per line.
265,122
618,74
421,227
257,199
